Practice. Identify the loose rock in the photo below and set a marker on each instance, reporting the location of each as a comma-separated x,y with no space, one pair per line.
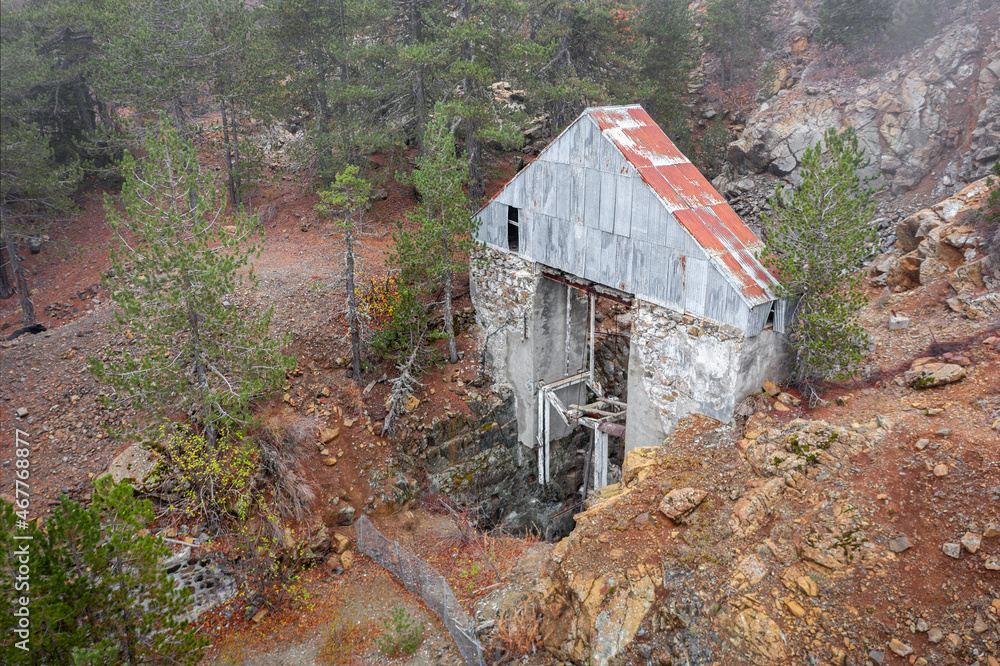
899,544
680,502
899,323
930,375
971,541
900,648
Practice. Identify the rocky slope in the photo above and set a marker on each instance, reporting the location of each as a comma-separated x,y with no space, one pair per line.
930,120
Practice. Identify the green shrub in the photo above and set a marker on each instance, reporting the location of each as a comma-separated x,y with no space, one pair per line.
97,593
402,634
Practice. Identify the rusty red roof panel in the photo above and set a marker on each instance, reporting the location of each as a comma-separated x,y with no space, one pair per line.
737,226
701,232
746,270
688,195
658,182
699,208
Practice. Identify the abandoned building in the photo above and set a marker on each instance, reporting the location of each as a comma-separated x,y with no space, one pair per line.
612,224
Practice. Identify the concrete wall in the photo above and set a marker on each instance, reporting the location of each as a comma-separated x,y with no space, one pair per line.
523,325
681,365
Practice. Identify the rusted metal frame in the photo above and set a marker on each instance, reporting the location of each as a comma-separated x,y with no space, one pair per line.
598,290
603,412
565,381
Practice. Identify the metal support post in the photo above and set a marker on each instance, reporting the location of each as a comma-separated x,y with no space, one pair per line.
593,314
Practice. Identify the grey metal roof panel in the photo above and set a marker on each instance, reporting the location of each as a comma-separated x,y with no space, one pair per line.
695,272
578,179
623,265
526,234
592,263
757,318
640,267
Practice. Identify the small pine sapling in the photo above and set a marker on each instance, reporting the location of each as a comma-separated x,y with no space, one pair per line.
349,196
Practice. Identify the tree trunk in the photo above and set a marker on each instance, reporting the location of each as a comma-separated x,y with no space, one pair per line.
477,185
449,319
234,127
418,102
419,95
178,114
84,105
20,283
231,185
6,290
352,307
201,376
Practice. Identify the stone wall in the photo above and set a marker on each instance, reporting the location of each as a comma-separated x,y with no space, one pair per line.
681,365
502,288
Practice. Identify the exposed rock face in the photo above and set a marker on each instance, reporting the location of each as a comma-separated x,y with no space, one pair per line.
941,243
938,112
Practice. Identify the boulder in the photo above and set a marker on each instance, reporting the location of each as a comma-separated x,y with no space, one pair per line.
930,375
345,516
340,543
680,502
327,435
913,229
136,462
904,274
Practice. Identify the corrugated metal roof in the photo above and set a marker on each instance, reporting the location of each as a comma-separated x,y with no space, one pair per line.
689,196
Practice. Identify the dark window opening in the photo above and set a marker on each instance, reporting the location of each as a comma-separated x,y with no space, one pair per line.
513,229
770,315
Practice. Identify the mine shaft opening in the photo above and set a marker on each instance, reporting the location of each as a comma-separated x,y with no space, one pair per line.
590,401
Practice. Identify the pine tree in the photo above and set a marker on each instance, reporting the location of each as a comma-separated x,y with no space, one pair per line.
816,240
196,353
592,56
670,54
35,185
96,587
444,235
349,194
736,28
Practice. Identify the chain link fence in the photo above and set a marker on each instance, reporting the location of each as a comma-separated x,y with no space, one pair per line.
420,579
